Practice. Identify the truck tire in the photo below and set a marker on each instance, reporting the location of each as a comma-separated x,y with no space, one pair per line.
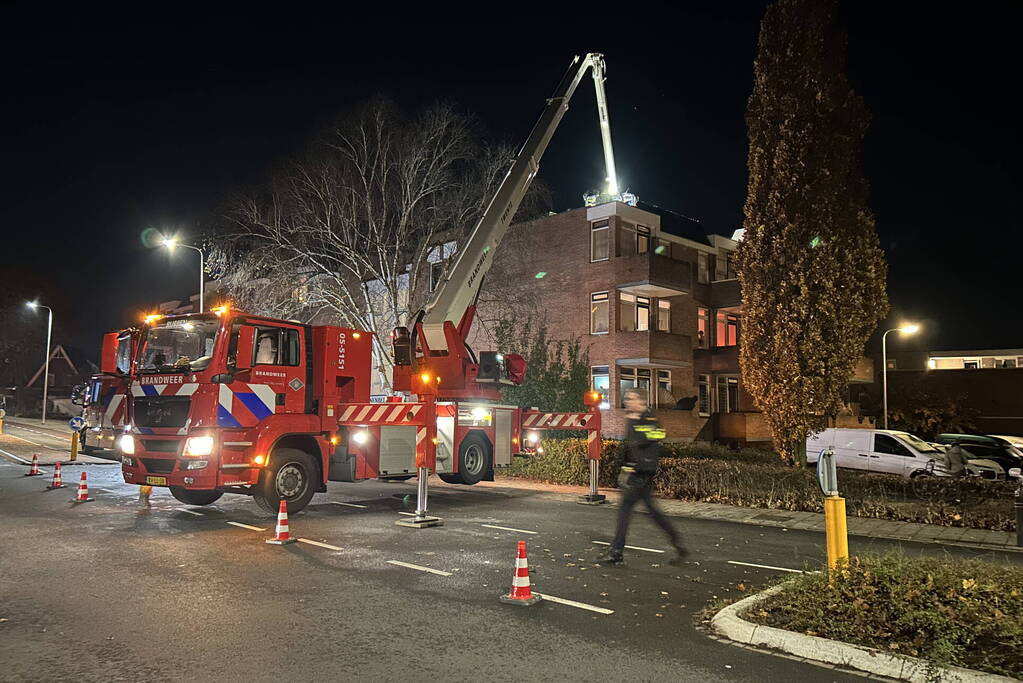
193,497
292,475
473,460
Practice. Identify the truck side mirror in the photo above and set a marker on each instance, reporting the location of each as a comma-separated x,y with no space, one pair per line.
108,357
246,338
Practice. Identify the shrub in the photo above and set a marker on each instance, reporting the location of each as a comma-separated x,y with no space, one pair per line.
754,478
963,613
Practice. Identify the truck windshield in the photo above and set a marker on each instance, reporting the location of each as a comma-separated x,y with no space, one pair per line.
916,442
179,345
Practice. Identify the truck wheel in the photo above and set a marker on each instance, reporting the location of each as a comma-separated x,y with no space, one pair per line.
473,459
291,475
191,497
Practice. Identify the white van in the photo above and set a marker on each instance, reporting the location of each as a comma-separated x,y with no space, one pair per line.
874,450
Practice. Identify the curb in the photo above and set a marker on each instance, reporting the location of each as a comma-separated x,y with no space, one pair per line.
730,625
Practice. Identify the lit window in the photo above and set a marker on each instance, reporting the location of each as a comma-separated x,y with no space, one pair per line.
633,378
600,380
626,312
663,315
727,332
599,312
664,397
702,327
728,394
642,239
642,313
599,241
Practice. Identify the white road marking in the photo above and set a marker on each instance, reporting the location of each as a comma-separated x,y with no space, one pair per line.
191,512
33,442
246,526
767,566
508,528
418,568
573,603
317,543
16,458
351,505
631,547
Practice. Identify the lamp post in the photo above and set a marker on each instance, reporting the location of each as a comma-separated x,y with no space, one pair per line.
909,328
170,243
46,372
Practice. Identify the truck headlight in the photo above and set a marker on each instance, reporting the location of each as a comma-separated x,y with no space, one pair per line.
533,437
198,446
127,444
360,437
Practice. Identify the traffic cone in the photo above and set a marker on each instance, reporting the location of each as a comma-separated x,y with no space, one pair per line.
35,471
521,593
83,491
281,535
56,483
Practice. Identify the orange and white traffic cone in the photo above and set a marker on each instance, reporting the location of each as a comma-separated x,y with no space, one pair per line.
521,593
83,491
281,534
35,471
57,483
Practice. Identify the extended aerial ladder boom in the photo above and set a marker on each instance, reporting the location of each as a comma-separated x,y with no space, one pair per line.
456,294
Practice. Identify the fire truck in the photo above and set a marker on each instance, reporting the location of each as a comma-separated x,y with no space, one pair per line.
228,402
104,399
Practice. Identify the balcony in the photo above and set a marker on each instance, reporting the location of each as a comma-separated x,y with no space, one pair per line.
653,349
726,294
652,275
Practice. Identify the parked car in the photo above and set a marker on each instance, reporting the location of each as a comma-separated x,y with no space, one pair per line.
1006,457
885,451
1014,441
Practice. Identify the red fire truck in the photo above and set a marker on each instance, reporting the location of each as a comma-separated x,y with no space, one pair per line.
227,402
104,399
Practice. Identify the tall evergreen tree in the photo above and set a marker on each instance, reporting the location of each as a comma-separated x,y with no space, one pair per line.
812,273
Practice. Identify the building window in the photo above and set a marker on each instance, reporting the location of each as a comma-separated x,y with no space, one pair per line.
1008,363
970,364
633,378
642,239
663,315
599,313
728,394
642,313
891,364
727,332
704,395
438,257
664,398
703,274
599,241
626,312
703,327
600,380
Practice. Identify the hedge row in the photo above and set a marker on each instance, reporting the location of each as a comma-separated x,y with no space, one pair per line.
758,479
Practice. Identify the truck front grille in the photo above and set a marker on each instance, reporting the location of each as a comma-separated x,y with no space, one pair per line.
161,411
161,445
158,465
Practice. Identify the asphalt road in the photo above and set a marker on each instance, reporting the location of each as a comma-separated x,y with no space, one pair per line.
108,591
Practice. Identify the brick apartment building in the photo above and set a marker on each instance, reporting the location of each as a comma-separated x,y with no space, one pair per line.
655,301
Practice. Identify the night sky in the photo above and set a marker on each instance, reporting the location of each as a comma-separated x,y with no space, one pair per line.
116,122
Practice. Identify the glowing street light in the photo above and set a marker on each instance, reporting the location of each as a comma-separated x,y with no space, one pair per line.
46,370
171,243
904,329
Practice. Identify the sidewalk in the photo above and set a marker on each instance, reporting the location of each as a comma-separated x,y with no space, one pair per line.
788,519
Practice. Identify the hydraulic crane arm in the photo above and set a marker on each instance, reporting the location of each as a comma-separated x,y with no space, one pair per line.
457,293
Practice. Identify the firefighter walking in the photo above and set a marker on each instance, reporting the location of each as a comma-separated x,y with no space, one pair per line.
643,435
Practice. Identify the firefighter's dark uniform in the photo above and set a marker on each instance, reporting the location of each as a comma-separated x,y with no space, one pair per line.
643,442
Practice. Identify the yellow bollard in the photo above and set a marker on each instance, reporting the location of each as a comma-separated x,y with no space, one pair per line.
1,425
836,533
74,446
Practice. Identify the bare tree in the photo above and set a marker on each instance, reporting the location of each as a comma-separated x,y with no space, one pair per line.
343,234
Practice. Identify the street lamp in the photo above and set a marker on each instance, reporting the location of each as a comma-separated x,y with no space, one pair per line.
170,243
906,329
46,372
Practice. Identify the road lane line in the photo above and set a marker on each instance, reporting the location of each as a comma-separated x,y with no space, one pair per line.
573,603
418,568
631,547
317,543
508,528
351,505
191,512
767,566
17,458
246,526
13,436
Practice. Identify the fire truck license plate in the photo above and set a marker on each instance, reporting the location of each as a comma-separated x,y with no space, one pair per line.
156,481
